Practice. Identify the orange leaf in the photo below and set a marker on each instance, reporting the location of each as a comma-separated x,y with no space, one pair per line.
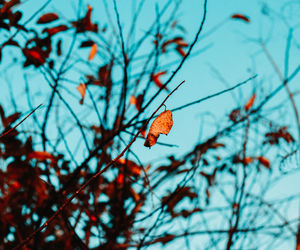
157,81
263,161
143,133
93,51
241,17
250,102
131,166
137,101
81,88
41,156
132,100
47,18
248,160
161,125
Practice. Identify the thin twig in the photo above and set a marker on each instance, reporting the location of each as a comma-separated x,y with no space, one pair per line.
7,132
68,201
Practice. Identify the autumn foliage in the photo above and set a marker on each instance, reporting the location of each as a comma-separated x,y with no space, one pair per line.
75,172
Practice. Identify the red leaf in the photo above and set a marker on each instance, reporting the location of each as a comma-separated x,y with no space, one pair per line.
273,137
131,166
47,18
35,55
87,43
180,51
41,156
263,161
8,5
177,40
58,48
241,17
249,104
85,24
156,80
120,178
235,115
55,30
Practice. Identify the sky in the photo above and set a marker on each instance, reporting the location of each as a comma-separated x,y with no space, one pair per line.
228,49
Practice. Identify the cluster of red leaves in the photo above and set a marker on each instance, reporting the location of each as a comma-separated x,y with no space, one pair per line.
8,18
274,136
85,24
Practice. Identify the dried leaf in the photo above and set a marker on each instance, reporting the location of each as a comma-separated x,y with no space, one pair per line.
93,51
161,125
157,81
81,88
241,17
47,18
249,104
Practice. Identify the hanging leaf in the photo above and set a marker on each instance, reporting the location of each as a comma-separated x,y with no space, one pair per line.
47,18
161,125
157,81
81,88
93,51
241,17
249,104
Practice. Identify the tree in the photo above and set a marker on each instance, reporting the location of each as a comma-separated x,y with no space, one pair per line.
71,176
